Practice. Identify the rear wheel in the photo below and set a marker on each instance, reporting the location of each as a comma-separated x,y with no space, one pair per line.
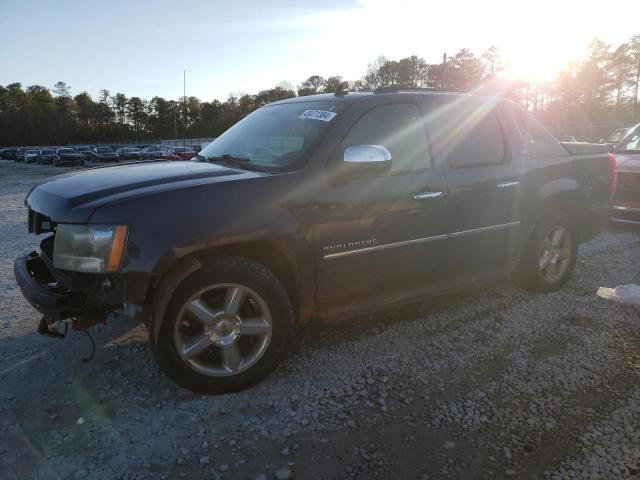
550,257
226,327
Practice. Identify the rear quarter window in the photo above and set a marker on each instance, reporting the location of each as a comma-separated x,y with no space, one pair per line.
538,141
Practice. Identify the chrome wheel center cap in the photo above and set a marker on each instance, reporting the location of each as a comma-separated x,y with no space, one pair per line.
224,331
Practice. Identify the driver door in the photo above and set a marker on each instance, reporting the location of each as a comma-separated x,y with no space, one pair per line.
382,232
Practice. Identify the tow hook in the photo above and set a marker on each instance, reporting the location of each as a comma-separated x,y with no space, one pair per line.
43,328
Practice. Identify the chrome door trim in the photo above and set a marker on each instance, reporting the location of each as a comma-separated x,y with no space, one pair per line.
484,229
509,184
425,195
420,240
384,246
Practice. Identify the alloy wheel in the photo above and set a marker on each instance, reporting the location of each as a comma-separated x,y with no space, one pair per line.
555,253
223,329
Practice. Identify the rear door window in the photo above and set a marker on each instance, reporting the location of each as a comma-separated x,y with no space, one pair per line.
466,134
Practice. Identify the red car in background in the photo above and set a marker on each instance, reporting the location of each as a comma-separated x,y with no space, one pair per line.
178,153
626,199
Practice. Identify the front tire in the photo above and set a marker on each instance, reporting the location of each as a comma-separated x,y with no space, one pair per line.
226,327
550,257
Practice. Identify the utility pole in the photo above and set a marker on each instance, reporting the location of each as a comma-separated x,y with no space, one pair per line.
184,102
443,86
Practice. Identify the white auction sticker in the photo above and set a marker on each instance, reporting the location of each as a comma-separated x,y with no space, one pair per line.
322,115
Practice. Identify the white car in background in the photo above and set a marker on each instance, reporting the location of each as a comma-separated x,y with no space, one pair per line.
31,155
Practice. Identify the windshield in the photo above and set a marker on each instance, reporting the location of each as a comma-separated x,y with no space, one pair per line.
66,150
617,136
33,151
274,136
46,152
103,150
631,143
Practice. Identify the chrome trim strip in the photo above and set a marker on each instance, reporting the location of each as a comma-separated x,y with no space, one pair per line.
484,229
384,247
420,240
423,195
627,209
620,220
508,184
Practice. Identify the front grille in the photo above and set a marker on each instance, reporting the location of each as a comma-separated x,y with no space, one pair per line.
628,187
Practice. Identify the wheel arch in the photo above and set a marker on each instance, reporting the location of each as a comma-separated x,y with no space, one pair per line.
277,254
564,195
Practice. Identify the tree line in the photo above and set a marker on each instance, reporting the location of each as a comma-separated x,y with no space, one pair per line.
603,86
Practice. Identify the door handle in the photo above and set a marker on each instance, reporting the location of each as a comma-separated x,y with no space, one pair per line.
426,195
509,184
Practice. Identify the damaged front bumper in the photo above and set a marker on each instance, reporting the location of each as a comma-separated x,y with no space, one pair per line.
43,291
84,298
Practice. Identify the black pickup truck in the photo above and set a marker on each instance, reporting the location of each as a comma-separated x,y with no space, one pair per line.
319,206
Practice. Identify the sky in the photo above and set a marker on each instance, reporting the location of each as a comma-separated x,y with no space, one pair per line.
141,47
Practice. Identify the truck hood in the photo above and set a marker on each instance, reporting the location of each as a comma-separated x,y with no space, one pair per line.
628,162
72,198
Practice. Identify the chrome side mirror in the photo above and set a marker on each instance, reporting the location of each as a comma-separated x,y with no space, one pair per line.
359,160
367,154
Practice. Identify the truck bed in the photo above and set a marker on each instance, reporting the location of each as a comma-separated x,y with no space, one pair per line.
585,148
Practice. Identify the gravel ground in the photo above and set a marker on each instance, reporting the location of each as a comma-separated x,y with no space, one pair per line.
491,383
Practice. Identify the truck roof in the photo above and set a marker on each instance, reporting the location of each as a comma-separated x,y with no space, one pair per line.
351,97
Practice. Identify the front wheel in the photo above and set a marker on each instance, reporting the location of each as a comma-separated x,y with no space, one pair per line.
550,257
226,327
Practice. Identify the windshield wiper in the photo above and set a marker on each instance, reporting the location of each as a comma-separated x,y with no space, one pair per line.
242,162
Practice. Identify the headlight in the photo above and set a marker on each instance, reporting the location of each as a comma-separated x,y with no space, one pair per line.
89,248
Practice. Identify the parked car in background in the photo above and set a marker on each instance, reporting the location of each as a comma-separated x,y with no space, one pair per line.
19,157
615,137
31,155
85,151
68,156
626,199
104,154
178,153
47,156
128,153
312,207
8,153
152,152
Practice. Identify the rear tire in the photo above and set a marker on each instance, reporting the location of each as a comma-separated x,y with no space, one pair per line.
550,256
209,342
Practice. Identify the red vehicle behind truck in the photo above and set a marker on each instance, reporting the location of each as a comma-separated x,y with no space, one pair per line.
626,200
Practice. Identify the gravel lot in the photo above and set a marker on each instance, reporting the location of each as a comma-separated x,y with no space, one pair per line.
491,383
